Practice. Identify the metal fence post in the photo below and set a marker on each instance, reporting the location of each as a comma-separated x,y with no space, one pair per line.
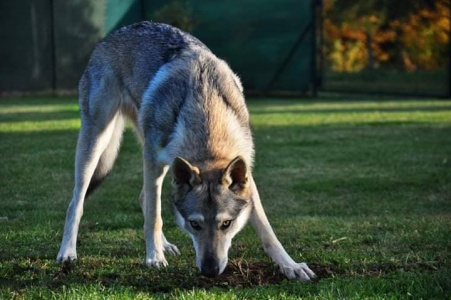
53,46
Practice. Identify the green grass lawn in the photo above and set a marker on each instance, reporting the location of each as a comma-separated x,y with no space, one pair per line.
360,189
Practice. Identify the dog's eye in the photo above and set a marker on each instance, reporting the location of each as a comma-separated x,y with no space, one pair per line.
195,225
226,224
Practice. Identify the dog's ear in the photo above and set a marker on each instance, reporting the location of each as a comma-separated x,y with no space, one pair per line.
184,173
236,175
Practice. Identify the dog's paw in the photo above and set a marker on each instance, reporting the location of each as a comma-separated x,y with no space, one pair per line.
66,256
299,271
168,247
171,248
156,261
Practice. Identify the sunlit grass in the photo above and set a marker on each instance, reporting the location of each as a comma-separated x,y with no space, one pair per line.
31,116
36,126
275,113
274,105
17,109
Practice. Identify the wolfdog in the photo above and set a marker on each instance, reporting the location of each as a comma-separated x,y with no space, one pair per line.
190,115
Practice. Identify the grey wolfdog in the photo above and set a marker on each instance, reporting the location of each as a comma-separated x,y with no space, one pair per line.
190,115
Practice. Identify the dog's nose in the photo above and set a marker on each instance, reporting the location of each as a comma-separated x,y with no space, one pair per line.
210,271
210,267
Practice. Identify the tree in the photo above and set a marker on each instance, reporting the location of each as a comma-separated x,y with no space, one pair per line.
406,34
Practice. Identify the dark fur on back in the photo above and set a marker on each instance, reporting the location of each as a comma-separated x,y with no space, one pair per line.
138,51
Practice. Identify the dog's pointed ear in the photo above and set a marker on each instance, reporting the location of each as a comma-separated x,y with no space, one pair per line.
236,175
184,173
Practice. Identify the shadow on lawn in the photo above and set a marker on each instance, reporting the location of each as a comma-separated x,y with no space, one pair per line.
238,274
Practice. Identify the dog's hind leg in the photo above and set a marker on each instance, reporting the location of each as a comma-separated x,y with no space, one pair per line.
97,148
271,244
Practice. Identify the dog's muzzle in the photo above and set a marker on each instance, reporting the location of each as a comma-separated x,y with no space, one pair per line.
210,267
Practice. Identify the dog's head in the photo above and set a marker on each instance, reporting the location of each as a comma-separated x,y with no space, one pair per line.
212,206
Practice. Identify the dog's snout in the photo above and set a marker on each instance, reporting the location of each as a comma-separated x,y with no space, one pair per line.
210,267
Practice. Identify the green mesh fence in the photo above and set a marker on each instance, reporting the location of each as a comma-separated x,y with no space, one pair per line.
25,56
46,44
256,37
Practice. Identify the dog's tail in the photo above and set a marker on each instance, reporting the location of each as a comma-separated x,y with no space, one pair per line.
108,156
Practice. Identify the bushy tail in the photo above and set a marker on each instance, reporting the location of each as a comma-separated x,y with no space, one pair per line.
108,157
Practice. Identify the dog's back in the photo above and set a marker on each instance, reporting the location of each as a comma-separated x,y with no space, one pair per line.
128,58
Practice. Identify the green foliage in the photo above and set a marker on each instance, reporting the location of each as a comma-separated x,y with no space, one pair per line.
399,9
405,35
358,189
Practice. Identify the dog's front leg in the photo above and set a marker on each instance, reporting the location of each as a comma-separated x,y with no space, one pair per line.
271,244
153,223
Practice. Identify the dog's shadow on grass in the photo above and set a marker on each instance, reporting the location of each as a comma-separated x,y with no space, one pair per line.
238,274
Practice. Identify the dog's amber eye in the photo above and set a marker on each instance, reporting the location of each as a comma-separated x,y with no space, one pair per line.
195,225
226,224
